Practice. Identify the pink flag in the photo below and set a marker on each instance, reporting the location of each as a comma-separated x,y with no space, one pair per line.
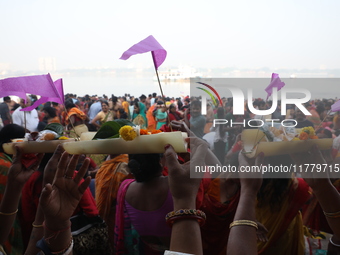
275,83
60,99
41,85
146,45
336,106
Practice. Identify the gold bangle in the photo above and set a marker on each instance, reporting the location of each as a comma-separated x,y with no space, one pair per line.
37,226
9,214
332,215
244,223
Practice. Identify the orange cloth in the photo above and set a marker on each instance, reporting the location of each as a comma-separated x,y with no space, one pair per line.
53,120
74,111
108,179
151,119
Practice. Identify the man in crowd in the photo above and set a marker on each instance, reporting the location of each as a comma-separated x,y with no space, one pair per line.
26,119
4,111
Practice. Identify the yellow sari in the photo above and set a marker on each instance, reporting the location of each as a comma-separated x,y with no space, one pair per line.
285,228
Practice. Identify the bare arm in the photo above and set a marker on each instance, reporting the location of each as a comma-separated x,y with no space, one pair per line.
184,190
242,237
94,121
38,229
17,177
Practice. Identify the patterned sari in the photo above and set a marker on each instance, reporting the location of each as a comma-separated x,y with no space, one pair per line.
285,228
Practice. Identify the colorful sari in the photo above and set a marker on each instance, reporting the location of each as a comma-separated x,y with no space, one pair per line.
151,119
108,179
127,240
80,115
285,228
140,118
13,244
215,231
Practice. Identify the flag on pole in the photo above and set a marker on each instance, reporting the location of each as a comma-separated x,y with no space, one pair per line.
60,99
41,85
148,44
336,106
275,83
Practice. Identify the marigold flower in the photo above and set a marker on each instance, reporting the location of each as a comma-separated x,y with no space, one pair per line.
143,132
308,130
156,131
303,136
127,133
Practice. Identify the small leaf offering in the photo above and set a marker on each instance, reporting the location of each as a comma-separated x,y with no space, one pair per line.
56,127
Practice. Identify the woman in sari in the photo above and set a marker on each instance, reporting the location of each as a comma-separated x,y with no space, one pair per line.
161,114
278,209
141,206
103,116
139,117
14,244
51,115
75,120
173,114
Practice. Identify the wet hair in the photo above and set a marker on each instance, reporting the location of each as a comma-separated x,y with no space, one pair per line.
50,111
9,132
145,167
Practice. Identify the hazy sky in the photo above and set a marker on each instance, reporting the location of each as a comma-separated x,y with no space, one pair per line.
243,34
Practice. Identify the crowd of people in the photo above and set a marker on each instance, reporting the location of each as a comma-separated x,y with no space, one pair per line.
148,203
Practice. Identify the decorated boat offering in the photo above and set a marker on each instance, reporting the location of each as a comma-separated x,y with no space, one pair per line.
45,141
274,142
121,136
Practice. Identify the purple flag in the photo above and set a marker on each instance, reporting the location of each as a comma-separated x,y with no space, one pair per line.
41,85
336,106
275,83
146,45
60,99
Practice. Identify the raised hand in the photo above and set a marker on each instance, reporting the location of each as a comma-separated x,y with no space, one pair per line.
52,165
250,181
304,162
59,200
181,185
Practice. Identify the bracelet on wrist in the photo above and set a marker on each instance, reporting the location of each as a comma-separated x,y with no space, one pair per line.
331,241
184,214
37,225
332,215
55,232
249,223
9,214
